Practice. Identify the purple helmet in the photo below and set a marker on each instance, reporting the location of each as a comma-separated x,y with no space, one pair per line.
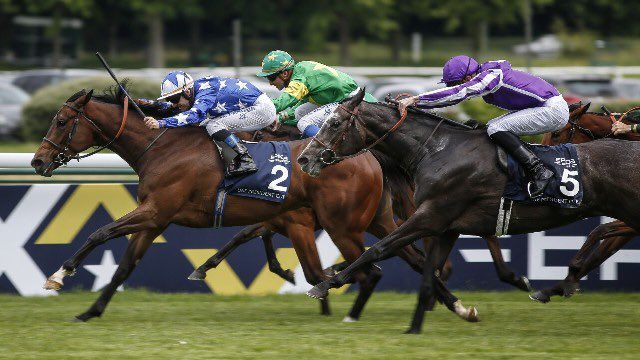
458,67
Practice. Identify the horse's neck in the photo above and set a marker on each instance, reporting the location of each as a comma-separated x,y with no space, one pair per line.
415,141
135,136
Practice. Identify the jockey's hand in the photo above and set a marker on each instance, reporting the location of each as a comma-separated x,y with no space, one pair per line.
406,102
144,102
151,123
619,128
276,125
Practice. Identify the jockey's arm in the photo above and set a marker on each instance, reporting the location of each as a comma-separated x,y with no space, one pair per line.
482,84
294,95
197,114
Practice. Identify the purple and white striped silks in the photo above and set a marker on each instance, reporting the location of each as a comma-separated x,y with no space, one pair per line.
499,85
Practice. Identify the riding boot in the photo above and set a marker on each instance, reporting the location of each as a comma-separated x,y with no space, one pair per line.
243,162
235,156
539,175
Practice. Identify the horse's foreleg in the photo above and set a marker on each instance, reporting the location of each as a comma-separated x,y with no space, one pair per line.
138,245
505,274
245,235
272,259
304,243
411,230
142,218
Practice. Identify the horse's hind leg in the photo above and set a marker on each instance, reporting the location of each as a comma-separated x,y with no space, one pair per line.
138,245
142,218
272,259
505,274
245,235
614,235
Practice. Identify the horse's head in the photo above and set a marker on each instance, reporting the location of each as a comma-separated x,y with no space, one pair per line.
574,131
71,132
339,137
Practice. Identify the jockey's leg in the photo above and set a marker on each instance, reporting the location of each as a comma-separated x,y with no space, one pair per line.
252,118
504,131
310,124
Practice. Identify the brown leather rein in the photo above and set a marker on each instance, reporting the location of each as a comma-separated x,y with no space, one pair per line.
328,154
62,158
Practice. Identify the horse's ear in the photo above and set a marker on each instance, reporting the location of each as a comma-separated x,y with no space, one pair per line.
83,100
357,98
580,110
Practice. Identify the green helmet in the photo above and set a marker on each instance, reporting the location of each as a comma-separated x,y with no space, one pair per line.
276,61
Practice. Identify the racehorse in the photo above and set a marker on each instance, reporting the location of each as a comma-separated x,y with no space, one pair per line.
583,127
458,183
401,195
179,172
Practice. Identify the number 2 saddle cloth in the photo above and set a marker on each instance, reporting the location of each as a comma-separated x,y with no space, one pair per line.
271,181
565,188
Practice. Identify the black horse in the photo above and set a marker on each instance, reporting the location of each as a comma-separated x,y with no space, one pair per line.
459,184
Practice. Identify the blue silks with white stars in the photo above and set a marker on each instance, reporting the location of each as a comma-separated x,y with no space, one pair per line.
214,96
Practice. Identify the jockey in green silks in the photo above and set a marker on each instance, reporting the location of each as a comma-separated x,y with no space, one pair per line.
311,93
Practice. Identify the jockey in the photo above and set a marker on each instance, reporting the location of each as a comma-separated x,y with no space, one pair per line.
311,90
535,107
222,106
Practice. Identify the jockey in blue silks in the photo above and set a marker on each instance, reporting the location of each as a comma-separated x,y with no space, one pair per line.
535,107
222,106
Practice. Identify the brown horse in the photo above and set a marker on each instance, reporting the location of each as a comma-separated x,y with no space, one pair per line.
179,172
583,127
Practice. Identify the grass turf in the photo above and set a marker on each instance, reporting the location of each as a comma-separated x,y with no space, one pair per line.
140,324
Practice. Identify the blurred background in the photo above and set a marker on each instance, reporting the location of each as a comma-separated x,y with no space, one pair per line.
588,49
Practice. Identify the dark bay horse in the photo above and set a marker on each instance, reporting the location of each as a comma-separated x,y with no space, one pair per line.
179,172
583,127
458,183
401,196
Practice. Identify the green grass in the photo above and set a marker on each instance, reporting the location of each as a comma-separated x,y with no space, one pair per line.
140,324
18,147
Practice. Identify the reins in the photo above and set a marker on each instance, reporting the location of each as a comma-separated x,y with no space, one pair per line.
62,158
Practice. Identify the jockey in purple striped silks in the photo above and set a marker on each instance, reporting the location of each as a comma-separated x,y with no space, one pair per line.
535,107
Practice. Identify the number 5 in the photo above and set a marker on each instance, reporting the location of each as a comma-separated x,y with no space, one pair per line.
567,179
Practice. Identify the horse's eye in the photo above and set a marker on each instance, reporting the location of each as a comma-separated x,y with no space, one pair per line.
336,123
61,123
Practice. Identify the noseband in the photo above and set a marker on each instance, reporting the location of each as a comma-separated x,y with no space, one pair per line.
62,158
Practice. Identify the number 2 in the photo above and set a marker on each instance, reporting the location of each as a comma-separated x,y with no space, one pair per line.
285,173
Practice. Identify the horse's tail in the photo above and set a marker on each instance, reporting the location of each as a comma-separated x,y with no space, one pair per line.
399,185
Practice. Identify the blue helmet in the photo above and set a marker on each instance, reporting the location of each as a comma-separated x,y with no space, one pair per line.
458,67
174,83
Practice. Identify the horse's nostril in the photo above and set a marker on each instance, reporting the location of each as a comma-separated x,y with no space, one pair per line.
302,160
36,163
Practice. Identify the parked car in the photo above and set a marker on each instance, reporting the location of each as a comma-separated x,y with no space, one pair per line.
32,80
545,46
12,99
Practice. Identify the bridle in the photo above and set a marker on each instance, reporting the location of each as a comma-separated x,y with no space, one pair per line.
575,126
62,158
328,155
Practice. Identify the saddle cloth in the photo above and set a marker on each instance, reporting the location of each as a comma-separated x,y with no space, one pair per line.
564,189
271,181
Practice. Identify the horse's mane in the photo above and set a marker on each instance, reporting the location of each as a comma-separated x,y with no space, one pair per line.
114,95
426,116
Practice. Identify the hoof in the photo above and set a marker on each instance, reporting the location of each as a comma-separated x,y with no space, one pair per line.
526,285
349,319
412,331
197,275
473,315
290,276
52,285
571,289
539,296
318,292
